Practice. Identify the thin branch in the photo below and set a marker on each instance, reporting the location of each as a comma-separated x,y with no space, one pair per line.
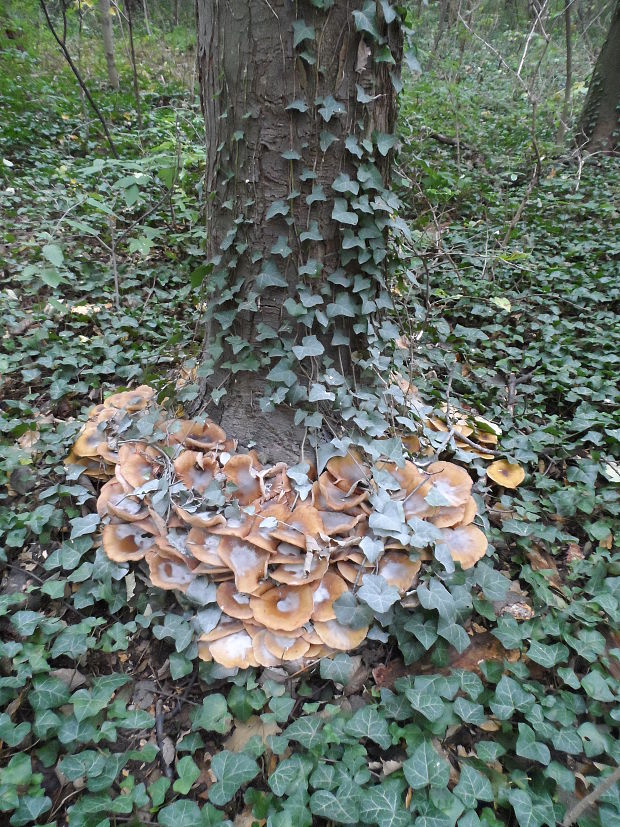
577,811
62,43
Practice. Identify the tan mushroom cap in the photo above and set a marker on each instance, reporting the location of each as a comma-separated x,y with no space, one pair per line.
242,471
204,546
205,437
261,652
471,509
87,443
234,651
340,637
466,544
447,516
195,470
261,535
339,522
113,500
247,562
399,570
329,497
351,571
348,470
302,524
283,607
131,401
284,647
296,574
329,589
226,626
505,473
168,574
233,602
234,526
412,443
199,519
451,481
137,464
123,542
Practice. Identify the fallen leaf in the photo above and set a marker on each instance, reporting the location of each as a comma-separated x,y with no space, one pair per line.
242,732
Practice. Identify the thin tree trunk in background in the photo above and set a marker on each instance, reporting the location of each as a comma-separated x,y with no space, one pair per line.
569,73
273,152
175,13
600,118
136,88
146,18
79,64
108,42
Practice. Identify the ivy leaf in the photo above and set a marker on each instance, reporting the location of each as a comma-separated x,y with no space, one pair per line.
509,696
341,806
597,687
53,254
319,393
338,669
343,183
532,810
363,23
288,776
372,548
12,734
468,711
376,592
30,809
473,786
298,105
84,525
232,770
48,693
341,214
330,108
368,723
529,747
213,715
385,142
436,596
547,656
277,208
492,582
351,613
310,346
301,32
183,813
426,768
306,730
188,772
427,702
383,805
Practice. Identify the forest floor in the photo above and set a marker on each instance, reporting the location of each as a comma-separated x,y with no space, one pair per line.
508,296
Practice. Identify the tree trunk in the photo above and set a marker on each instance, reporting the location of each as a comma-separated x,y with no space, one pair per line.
175,13
298,115
568,82
600,117
108,42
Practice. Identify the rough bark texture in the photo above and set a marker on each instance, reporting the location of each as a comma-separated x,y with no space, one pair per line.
108,42
600,118
261,153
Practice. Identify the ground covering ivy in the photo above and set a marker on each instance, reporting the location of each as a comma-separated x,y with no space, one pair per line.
503,700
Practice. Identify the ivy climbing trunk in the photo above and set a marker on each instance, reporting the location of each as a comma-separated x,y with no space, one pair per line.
600,117
299,109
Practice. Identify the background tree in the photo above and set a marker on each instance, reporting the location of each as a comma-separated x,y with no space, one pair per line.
600,117
299,108
105,16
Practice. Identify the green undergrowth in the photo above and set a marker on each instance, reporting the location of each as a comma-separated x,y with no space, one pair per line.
495,699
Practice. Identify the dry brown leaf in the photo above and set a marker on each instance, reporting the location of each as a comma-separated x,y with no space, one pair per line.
242,732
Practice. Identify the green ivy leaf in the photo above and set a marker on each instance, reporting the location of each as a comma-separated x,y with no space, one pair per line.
213,715
473,786
341,806
369,723
232,771
383,805
180,814
187,772
532,810
529,747
341,213
426,768
302,31
306,730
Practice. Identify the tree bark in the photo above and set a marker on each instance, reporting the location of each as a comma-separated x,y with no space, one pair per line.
108,42
600,118
568,82
290,93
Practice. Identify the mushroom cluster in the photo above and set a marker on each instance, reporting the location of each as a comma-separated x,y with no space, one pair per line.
189,505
